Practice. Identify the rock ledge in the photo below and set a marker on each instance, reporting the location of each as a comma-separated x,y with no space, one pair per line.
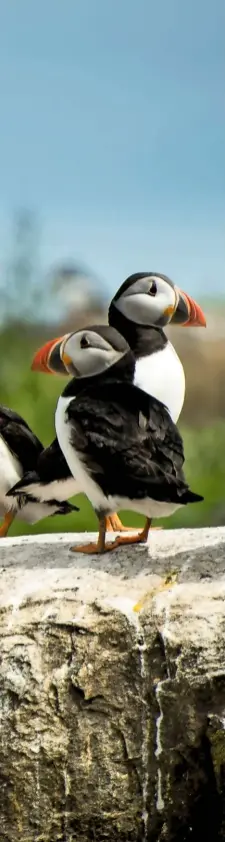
112,720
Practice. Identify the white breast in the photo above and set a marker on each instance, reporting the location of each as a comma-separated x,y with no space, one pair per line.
10,473
33,512
76,465
162,375
59,490
10,468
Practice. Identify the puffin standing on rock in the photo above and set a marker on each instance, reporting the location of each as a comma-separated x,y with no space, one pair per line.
144,304
120,443
20,451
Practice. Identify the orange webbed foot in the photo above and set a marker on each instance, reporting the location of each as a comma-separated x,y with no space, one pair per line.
85,548
90,548
123,540
102,547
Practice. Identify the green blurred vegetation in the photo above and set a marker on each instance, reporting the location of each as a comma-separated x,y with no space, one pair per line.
34,396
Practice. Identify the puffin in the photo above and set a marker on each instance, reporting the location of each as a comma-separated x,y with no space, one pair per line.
143,305
120,443
50,480
140,310
20,452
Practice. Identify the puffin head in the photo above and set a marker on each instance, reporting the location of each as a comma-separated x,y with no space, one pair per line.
148,298
85,353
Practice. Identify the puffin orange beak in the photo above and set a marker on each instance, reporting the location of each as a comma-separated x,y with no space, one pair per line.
188,313
48,358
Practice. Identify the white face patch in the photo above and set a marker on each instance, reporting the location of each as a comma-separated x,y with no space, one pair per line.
140,306
88,353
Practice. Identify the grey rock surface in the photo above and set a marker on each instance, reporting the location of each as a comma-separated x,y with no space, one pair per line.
112,720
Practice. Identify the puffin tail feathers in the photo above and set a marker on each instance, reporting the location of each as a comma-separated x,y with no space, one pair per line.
65,508
190,497
23,484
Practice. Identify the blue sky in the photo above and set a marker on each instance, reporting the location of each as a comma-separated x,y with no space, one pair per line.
113,130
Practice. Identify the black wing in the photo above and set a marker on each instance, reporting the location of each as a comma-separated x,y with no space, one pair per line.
52,464
130,438
20,439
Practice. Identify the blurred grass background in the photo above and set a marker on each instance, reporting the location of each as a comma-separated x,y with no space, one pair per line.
112,151
202,422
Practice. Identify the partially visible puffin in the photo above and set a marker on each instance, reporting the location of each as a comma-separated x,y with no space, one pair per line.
120,443
20,452
50,483
144,304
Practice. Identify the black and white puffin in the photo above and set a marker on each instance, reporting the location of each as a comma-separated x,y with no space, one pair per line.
142,307
20,452
144,304
120,443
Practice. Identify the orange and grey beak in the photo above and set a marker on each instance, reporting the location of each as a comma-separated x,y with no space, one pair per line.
188,313
48,358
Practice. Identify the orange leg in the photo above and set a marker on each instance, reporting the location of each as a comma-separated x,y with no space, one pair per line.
143,537
102,547
154,527
4,528
114,525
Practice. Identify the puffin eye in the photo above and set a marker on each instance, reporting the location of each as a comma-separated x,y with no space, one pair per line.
152,289
84,342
